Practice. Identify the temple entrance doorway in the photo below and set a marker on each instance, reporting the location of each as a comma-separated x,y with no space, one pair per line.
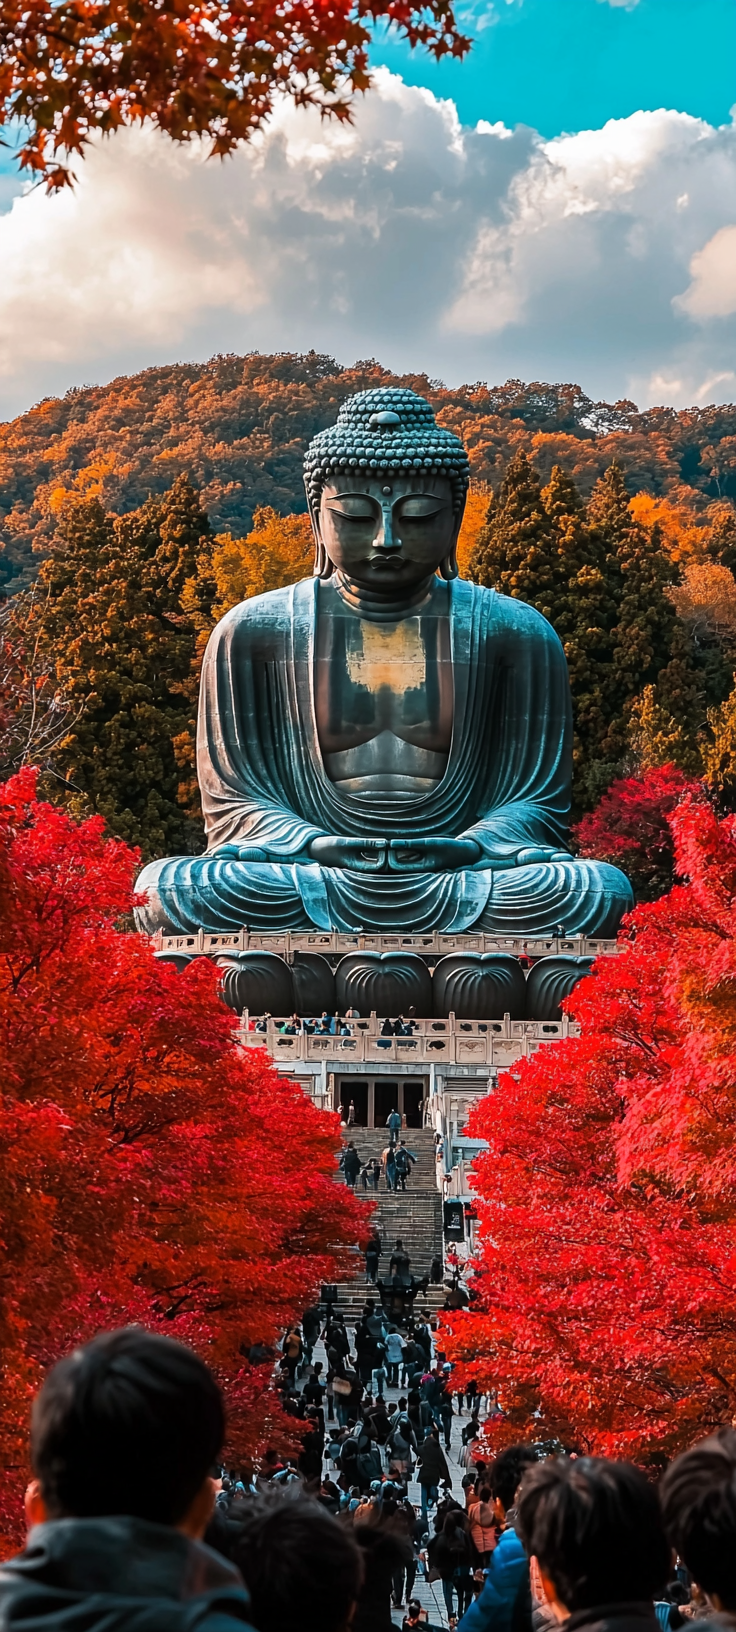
414,1093
375,1097
354,1091
385,1100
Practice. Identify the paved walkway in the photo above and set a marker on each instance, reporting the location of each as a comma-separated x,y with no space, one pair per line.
430,1597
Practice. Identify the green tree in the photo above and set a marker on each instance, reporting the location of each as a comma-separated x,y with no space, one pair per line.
722,542
651,648
657,739
538,547
719,751
124,617
516,551
602,580
583,615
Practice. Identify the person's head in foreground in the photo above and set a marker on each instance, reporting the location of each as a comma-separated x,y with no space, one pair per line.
698,1495
506,1475
130,1424
595,1530
124,1435
301,1567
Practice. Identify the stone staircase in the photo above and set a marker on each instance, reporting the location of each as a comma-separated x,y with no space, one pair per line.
415,1214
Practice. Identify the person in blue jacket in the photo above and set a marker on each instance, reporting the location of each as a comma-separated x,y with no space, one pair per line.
504,1603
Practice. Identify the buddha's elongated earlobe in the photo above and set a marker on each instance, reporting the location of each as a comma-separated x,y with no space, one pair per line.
323,567
448,567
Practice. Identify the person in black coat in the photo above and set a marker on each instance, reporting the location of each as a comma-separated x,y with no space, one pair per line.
450,1553
310,1329
310,1456
373,1250
351,1164
369,1351
385,1546
432,1468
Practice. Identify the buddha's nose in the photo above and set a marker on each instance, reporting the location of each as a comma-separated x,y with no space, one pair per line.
386,538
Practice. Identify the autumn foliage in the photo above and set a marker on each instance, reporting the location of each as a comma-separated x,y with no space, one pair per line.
630,828
73,68
238,427
606,1314
278,550
152,1171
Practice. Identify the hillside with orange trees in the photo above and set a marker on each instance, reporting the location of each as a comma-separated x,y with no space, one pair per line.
238,426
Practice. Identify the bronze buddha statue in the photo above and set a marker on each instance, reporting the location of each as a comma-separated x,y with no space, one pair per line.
385,747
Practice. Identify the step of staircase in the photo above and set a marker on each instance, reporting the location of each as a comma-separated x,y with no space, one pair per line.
414,1214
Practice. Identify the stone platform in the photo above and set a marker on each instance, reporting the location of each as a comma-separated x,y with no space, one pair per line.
442,1061
473,977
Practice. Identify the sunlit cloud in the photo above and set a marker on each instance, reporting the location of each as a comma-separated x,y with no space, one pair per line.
606,257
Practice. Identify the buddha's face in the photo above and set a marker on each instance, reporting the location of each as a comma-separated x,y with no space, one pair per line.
389,533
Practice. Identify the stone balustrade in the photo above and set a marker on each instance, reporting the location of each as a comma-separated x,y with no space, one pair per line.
336,944
482,1043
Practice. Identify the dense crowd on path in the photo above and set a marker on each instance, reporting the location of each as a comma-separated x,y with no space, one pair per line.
134,1525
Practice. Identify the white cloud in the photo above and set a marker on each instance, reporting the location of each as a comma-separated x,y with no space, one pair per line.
605,257
712,292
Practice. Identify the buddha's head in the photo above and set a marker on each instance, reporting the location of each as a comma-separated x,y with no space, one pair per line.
386,488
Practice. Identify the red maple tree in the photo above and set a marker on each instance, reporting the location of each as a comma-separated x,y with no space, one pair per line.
630,827
73,68
153,1171
606,1309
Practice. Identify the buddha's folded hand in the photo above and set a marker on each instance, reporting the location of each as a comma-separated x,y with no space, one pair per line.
432,855
357,855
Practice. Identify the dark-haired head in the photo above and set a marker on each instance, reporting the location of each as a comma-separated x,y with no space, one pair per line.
596,1531
698,1494
508,1471
129,1424
300,1565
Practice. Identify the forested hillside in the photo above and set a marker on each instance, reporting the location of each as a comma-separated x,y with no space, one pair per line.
136,514
238,426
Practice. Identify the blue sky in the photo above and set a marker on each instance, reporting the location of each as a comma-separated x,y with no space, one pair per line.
559,206
569,65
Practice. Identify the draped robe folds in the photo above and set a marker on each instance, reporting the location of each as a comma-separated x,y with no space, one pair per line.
263,784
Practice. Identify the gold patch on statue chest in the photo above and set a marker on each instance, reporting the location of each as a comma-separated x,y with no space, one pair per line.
393,657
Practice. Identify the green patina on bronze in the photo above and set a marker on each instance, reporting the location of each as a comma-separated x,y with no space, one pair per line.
385,747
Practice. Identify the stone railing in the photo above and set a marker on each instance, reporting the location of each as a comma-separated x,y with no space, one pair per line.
336,944
493,1043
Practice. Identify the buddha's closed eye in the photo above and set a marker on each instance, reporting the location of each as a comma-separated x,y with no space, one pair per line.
353,508
420,509
361,507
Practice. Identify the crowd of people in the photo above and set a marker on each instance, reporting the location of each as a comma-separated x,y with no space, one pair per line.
394,1165
334,1025
135,1527
297,1025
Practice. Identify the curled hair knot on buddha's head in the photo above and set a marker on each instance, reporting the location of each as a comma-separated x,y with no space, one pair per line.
388,431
